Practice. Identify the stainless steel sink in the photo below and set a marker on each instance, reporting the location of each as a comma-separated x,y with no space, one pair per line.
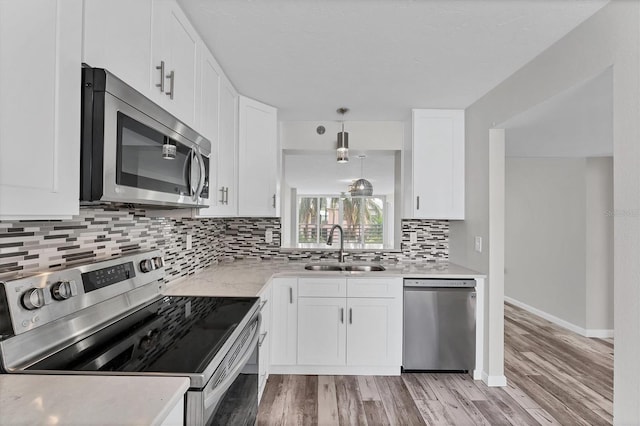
364,268
345,267
323,267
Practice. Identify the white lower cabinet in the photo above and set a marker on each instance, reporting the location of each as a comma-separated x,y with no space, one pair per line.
341,329
321,331
264,340
284,321
374,331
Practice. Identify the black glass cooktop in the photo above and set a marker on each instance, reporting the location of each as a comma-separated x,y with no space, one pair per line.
171,335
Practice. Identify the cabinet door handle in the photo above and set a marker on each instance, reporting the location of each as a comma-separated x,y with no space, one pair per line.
161,84
274,201
261,338
291,295
172,79
418,202
222,195
350,316
226,195
341,315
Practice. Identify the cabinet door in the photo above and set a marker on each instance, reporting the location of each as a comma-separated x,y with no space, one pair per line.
117,37
207,120
374,332
40,65
284,321
223,172
228,150
321,331
264,341
438,164
258,169
176,43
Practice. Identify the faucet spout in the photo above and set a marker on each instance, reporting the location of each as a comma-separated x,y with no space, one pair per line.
341,253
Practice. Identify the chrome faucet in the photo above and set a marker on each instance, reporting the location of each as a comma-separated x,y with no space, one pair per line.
341,253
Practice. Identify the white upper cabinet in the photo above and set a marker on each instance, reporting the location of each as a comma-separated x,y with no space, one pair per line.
217,117
150,45
227,190
174,58
120,42
437,164
258,159
40,58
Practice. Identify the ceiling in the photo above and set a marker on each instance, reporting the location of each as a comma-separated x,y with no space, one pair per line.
378,57
575,123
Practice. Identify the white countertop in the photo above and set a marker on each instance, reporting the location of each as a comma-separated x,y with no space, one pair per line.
27,399
246,278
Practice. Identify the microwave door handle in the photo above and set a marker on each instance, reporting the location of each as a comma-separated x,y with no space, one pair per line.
193,181
203,175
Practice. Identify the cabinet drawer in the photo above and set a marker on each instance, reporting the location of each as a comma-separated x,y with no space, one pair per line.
374,287
322,287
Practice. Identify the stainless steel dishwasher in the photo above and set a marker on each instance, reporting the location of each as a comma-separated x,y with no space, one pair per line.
439,325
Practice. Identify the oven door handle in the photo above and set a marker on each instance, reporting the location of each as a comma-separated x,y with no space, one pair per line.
217,392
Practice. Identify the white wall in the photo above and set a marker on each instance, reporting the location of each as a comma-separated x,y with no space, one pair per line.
559,239
545,250
599,240
611,37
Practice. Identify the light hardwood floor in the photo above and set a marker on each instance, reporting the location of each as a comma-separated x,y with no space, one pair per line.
555,377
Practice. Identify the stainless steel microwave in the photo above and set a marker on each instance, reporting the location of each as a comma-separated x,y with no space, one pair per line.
134,152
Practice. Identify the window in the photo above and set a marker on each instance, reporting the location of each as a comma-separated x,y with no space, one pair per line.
361,218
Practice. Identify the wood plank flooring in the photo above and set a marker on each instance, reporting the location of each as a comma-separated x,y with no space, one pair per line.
555,377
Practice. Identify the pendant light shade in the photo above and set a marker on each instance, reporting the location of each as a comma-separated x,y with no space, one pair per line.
342,152
361,187
343,146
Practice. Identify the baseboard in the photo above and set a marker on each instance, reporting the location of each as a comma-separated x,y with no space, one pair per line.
602,334
494,381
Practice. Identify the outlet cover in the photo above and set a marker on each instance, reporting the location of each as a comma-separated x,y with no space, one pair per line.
478,244
189,241
268,236
413,237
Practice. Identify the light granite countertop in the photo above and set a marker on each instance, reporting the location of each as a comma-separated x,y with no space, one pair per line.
247,278
27,399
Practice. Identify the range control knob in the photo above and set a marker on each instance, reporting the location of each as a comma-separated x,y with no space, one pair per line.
61,290
158,262
33,299
147,265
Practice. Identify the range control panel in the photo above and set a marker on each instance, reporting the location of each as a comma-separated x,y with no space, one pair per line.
439,282
39,299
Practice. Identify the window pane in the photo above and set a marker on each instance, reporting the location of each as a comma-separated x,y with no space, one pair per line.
307,220
374,221
329,214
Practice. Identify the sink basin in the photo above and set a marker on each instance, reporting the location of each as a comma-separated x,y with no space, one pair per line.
345,267
364,268
323,267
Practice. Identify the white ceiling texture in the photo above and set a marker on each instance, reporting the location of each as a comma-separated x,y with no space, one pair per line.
378,57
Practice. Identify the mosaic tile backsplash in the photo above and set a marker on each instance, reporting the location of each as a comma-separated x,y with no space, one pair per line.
32,246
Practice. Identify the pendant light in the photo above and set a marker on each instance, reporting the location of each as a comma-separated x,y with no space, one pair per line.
342,153
361,187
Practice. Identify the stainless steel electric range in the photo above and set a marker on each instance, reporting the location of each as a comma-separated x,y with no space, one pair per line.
110,317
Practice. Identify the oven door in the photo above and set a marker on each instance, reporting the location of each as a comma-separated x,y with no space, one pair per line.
145,162
231,396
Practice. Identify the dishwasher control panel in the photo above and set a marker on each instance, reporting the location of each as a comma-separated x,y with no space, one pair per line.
439,282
